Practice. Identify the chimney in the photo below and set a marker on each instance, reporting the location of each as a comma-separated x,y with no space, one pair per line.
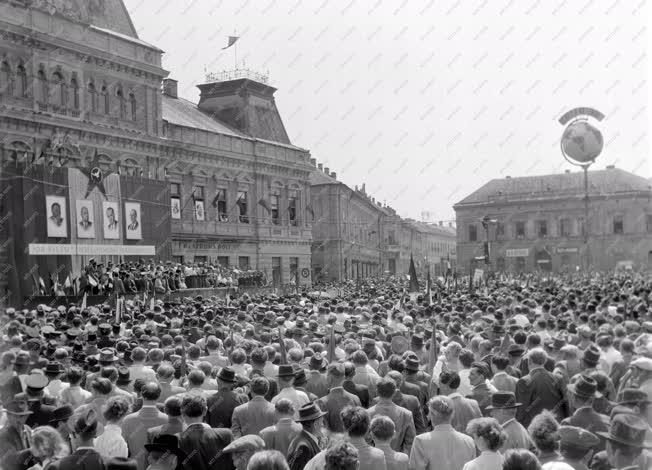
245,104
567,171
373,199
320,167
333,175
356,187
508,177
364,189
170,87
313,161
327,170
611,167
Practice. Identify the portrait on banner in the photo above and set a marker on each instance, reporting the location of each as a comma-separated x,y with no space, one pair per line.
85,219
175,207
133,223
111,223
56,212
199,211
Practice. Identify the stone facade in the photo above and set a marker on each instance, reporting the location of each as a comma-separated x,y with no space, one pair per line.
540,220
71,89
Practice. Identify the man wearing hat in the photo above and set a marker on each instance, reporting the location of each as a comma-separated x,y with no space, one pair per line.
222,403
306,444
581,395
626,440
164,453
243,448
576,446
59,421
642,374
15,435
38,403
286,387
503,408
317,381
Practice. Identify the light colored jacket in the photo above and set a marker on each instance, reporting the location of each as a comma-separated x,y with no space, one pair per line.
443,447
252,417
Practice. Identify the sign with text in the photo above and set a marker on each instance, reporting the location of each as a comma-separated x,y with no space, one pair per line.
36,249
207,245
517,252
568,250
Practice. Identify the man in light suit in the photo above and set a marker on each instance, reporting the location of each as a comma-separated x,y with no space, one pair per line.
540,390
165,374
257,414
409,402
443,447
202,444
175,422
501,379
337,398
279,436
465,409
405,432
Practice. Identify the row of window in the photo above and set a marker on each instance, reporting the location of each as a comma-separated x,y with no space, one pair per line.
565,228
242,204
58,92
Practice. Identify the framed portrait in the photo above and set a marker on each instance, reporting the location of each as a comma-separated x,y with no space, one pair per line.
85,219
199,211
175,207
55,207
111,224
133,221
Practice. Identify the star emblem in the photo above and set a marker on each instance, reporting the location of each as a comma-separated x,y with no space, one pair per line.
95,176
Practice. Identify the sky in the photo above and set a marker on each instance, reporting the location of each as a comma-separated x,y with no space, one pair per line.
425,101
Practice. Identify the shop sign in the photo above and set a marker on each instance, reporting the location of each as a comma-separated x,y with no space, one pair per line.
517,253
567,250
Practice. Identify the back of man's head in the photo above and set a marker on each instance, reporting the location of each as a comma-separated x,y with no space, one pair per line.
193,406
441,409
537,357
173,406
259,386
151,391
285,407
386,388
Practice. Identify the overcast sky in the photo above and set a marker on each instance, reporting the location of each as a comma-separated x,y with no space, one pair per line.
425,100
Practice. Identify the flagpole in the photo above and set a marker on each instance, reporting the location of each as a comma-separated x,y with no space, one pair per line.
235,51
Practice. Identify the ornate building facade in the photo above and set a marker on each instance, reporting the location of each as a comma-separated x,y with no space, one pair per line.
78,85
538,222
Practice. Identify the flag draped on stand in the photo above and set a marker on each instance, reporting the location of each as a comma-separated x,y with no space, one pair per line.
414,282
263,202
83,304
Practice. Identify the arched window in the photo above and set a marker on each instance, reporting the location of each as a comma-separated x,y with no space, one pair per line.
132,106
121,102
92,97
105,96
43,87
21,76
75,93
60,85
6,80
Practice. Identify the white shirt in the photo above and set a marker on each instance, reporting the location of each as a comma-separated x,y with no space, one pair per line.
55,387
465,388
111,443
487,460
141,371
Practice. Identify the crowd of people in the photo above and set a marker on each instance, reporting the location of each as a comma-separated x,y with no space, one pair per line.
515,375
154,277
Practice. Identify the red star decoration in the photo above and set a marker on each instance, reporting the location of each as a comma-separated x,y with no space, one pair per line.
95,176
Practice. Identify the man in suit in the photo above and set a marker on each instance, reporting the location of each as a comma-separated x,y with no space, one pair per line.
581,395
465,409
41,407
165,374
337,398
411,377
175,422
222,403
501,379
257,414
279,436
317,382
405,432
503,408
409,402
481,390
359,390
14,436
135,425
539,390
382,431
202,444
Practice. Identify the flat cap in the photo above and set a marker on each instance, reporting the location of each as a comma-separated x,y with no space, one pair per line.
250,442
577,438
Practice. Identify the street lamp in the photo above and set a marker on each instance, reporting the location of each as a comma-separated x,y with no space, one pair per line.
581,143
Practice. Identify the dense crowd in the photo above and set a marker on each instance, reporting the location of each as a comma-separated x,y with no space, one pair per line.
515,374
153,277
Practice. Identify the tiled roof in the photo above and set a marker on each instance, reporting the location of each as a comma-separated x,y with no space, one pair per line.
609,181
319,177
186,113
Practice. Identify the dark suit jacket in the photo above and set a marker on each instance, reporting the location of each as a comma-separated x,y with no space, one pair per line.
361,391
41,414
20,461
412,389
587,418
204,445
82,459
540,390
167,428
410,403
220,408
10,445
524,368
423,388
336,400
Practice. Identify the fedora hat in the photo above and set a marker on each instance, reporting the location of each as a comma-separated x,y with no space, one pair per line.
633,396
300,378
503,400
318,362
309,412
123,376
107,355
53,367
285,370
584,387
412,364
227,375
18,407
416,340
591,355
629,430
166,443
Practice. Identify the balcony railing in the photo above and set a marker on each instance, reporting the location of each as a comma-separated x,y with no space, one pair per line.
237,74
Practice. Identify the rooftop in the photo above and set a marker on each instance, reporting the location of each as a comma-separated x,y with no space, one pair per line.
611,181
186,113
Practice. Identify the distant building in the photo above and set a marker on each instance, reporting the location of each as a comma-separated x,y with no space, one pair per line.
539,222
355,236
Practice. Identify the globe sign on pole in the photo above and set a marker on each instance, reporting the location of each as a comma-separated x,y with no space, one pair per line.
581,142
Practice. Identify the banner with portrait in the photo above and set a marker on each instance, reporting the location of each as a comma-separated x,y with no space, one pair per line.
175,207
133,221
85,219
57,225
111,223
199,211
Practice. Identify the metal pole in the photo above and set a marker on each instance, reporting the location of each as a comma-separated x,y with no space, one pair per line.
587,257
